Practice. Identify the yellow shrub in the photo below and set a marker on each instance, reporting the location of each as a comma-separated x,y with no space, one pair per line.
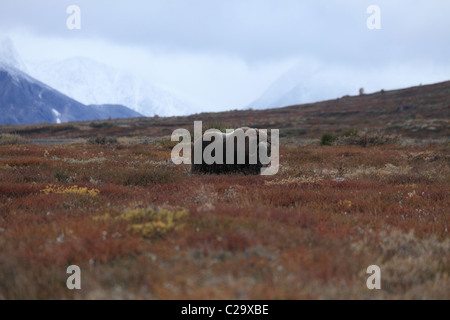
53,188
150,222
344,204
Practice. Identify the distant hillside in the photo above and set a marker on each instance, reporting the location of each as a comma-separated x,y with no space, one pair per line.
310,81
416,112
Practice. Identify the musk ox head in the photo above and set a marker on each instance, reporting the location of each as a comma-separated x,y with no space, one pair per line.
236,152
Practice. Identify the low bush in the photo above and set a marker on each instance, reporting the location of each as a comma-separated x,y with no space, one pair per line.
367,139
349,133
353,137
102,139
9,139
327,139
101,125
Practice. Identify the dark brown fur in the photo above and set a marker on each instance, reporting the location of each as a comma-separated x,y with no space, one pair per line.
245,168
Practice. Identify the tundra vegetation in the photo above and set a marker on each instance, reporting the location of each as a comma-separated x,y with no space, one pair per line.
140,226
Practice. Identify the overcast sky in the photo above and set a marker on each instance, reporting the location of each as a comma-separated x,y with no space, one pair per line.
227,53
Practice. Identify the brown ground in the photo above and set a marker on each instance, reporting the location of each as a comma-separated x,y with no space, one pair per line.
140,227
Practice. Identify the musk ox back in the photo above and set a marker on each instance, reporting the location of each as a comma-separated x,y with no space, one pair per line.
236,152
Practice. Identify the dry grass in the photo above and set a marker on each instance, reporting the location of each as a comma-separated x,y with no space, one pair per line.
11,139
141,227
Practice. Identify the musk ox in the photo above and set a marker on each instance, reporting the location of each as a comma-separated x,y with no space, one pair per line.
245,150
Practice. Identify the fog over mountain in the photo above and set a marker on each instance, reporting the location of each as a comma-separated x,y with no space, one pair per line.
9,55
303,83
92,82
179,56
309,82
26,100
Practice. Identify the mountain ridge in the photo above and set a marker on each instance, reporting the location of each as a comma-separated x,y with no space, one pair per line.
25,100
93,82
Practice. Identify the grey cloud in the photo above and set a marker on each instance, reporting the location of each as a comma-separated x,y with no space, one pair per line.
214,42
254,30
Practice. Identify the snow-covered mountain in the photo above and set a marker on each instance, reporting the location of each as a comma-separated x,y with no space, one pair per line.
25,100
92,82
9,55
304,83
